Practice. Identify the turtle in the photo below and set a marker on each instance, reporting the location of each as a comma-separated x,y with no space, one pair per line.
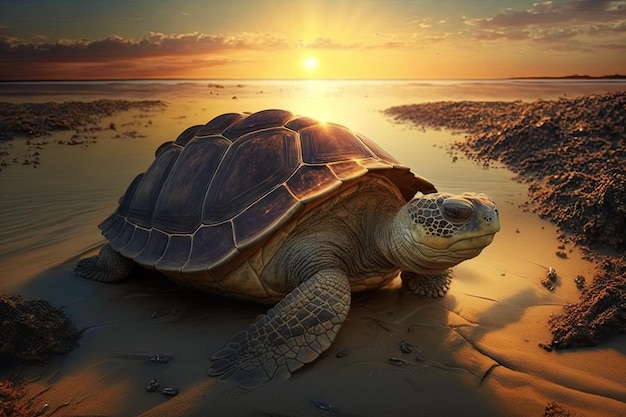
286,210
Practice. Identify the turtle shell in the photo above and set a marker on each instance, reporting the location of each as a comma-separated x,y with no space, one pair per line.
228,185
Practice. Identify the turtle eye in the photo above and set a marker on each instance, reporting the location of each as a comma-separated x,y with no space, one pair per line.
457,211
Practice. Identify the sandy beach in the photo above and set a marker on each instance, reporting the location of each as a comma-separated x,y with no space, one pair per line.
476,352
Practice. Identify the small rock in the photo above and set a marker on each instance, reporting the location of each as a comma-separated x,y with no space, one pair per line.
153,385
405,347
550,279
161,358
342,353
328,407
169,391
581,283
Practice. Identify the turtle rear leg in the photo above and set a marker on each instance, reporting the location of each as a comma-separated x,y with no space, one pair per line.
291,334
107,266
427,285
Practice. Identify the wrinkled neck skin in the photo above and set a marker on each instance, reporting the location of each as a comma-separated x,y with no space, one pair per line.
400,249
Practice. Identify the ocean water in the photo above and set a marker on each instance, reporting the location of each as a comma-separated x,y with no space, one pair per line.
49,213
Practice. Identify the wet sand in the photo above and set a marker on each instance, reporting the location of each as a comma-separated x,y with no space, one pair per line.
572,152
473,352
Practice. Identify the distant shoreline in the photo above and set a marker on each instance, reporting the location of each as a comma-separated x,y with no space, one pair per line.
574,77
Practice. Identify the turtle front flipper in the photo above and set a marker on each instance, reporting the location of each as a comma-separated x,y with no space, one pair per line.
427,285
291,334
107,266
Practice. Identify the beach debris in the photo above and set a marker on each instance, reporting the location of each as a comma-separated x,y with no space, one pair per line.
549,281
581,283
343,353
161,358
328,407
169,391
561,254
554,409
405,347
399,361
546,347
129,134
153,385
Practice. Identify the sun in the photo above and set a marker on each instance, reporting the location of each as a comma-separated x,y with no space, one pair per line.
311,64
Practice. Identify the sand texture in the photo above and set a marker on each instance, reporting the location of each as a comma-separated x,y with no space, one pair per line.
145,342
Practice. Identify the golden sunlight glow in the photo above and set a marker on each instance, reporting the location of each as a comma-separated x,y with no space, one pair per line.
311,64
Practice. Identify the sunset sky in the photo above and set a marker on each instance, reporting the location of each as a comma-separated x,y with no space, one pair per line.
285,39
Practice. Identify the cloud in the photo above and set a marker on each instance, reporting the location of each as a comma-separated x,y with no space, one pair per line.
155,44
327,43
554,24
41,58
547,13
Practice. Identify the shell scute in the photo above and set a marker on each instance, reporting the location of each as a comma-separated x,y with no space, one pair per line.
263,216
348,170
217,125
324,143
374,163
125,235
137,242
176,253
186,136
300,123
211,243
148,189
127,198
178,209
113,228
312,181
257,121
252,166
378,151
154,249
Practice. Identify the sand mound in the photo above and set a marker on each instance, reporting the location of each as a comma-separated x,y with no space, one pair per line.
30,329
39,119
600,313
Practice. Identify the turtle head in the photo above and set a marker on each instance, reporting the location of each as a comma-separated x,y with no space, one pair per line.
446,229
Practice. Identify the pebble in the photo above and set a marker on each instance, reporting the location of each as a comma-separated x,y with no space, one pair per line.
343,353
169,391
328,407
161,358
153,385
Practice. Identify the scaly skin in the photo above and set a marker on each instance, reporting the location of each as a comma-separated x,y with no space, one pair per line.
108,266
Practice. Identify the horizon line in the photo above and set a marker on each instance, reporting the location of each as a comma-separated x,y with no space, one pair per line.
566,77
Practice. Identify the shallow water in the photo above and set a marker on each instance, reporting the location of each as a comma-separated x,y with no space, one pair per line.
50,212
